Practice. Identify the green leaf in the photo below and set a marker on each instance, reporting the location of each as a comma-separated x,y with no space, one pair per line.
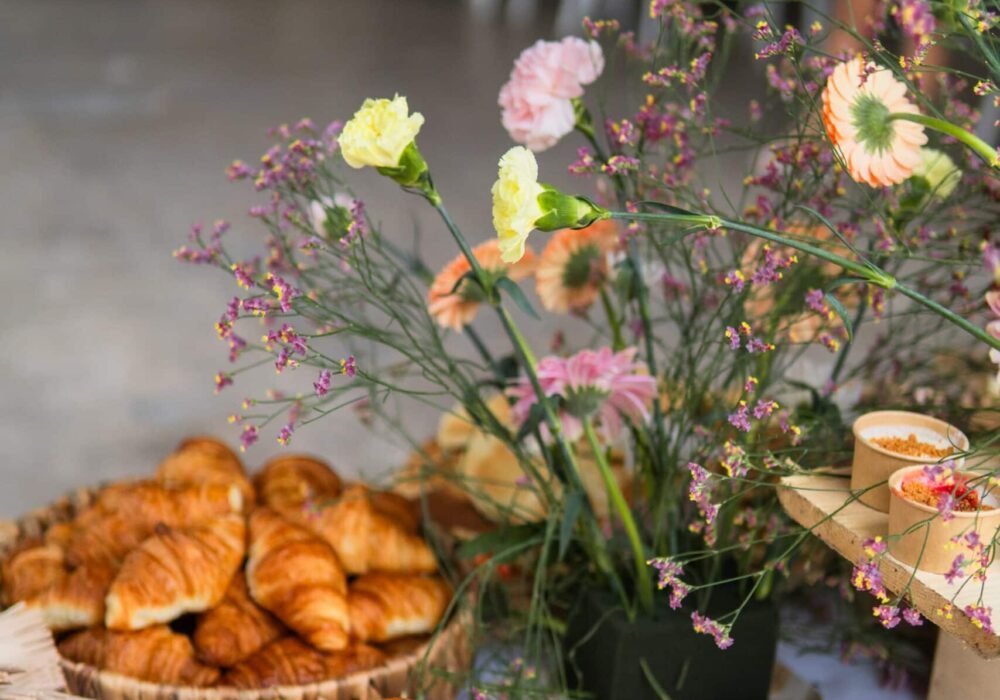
834,231
470,275
839,308
668,208
535,415
498,540
572,506
517,294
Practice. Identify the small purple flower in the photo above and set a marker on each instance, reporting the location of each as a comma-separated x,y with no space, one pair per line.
283,290
755,345
814,299
735,279
349,366
740,419
912,617
222,380
733,336
764,409
322,385
248,436
956,570
980,616
285,434
888,615
705,625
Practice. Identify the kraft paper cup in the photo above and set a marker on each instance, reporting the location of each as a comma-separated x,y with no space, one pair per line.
929,545
873,464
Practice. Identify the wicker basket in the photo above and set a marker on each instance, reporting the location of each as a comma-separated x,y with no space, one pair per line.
449,650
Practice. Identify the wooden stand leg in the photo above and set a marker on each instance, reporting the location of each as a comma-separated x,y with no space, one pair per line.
961,673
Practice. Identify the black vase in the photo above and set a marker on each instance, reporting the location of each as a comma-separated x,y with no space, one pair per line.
604,651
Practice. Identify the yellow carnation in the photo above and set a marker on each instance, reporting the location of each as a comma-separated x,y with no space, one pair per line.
379,132
515,202
939,170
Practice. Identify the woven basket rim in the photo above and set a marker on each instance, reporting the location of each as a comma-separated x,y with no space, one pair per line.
115,685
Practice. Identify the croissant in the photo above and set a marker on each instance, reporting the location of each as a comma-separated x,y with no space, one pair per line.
28,572
388,606
289,661
205,460
77,600
296,575
366,540
227,634
155,654
124,515
400,509
291,481
175,571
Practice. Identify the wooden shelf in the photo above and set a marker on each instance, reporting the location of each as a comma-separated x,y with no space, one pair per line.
824,502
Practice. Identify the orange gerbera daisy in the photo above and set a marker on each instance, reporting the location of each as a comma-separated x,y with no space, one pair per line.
574,265
455,309
878,151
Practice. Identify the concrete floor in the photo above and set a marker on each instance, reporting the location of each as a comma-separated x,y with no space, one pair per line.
117,119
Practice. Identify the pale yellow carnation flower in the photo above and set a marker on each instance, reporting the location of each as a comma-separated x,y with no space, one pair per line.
939,170
515,202
379,132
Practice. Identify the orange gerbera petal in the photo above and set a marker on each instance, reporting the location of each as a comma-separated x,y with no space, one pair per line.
573,266
877,152
456,310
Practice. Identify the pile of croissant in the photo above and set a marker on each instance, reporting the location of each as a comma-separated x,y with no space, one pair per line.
202,577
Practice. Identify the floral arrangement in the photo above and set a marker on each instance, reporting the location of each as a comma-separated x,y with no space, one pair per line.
728,329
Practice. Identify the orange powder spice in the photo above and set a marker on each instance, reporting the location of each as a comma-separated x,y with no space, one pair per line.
911,447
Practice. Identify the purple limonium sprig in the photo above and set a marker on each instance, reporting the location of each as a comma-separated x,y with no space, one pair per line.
248,436
322,385
888,615
981,617
705,625
668,576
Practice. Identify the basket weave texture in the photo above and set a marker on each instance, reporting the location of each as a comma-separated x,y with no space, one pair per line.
448,652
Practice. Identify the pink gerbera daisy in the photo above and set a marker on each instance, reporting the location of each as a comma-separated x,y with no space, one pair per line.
857,103
599,384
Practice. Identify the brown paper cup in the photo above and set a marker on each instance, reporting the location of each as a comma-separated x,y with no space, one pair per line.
873,464
929,545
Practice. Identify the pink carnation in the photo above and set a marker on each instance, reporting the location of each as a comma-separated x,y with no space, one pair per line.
536,101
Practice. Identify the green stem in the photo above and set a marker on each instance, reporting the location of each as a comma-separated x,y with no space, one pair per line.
593,540
982,149
620,505
867,272
616,326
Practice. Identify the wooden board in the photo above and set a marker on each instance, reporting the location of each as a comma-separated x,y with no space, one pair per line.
825,504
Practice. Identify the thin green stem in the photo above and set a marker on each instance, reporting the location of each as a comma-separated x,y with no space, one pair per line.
982,149
867,272
613,321
643,581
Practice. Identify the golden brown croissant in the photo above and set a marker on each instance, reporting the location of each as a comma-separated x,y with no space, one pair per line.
290,482
296,575
175,571
388,606
289,661
402,510
31,570
205,460
155,654
366,540
235,629
124,515
76,600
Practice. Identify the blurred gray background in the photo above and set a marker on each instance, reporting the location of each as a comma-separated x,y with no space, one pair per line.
117,120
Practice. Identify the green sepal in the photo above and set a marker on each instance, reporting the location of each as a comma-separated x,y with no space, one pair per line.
566,211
